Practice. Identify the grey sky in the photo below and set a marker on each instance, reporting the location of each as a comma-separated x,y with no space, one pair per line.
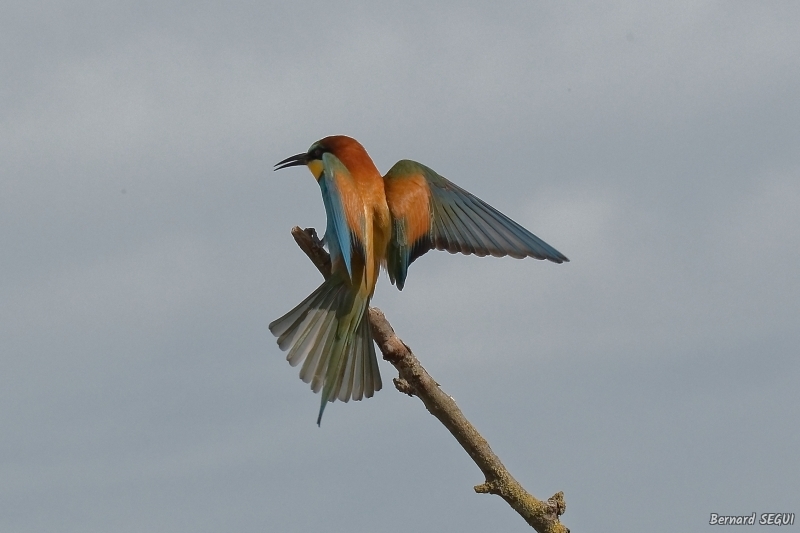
146,247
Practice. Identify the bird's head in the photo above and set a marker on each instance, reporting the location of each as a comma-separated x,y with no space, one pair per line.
312,159
346,149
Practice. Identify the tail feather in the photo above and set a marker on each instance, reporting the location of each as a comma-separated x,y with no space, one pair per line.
368,374
312,366
339,376
362,347
329,333
303,345
372,372
348,365
290,326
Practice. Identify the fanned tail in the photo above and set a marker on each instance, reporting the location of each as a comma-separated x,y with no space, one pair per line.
329,333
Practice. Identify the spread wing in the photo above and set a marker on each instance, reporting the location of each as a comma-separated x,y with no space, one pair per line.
428,211
345,213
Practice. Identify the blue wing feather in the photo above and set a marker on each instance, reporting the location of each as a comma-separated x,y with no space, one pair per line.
342,242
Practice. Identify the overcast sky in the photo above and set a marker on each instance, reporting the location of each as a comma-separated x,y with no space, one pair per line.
145,248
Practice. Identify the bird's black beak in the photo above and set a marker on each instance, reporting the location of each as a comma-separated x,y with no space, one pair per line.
294,161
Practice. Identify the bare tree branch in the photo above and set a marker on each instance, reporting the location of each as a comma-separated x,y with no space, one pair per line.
414,380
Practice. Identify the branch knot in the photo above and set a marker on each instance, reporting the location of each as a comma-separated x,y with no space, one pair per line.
403,386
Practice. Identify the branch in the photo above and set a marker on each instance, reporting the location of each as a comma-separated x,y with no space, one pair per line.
415,381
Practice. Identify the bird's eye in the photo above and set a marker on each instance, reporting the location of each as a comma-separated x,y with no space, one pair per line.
316,153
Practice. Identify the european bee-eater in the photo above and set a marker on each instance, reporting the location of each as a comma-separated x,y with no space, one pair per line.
376,221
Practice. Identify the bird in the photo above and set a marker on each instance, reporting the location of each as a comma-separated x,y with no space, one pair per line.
376,222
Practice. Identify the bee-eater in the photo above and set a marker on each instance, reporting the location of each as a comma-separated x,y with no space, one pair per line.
375,221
